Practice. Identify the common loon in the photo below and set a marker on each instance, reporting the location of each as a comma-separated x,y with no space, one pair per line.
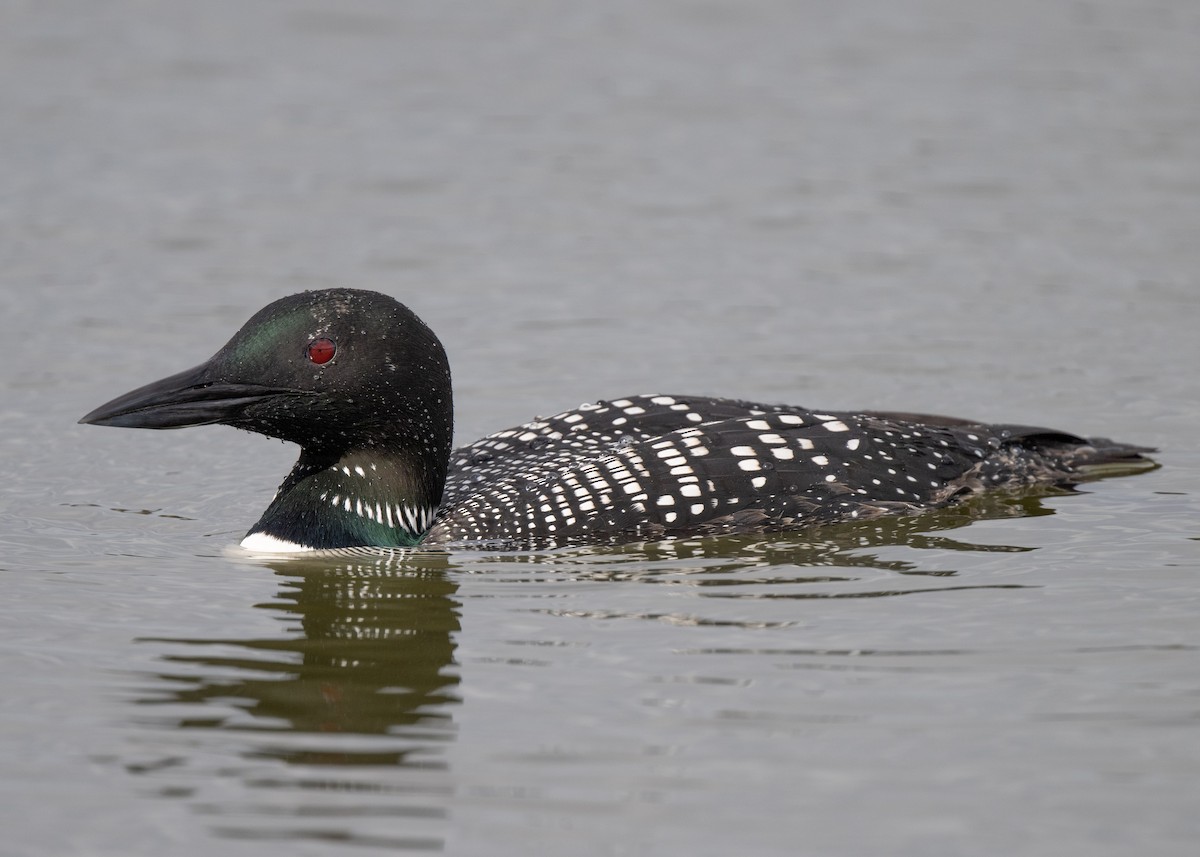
363,386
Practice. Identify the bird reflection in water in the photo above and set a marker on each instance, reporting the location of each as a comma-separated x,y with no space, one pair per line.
369,643
340,724
368,651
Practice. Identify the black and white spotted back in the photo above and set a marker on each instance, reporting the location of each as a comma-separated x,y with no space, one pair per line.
651,466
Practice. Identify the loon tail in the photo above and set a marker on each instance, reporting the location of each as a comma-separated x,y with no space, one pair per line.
1102,457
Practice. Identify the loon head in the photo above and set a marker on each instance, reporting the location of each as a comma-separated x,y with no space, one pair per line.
357,380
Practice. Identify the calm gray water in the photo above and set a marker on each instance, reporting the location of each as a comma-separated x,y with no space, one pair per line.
987,209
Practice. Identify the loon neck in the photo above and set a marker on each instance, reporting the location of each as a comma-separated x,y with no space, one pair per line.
359,497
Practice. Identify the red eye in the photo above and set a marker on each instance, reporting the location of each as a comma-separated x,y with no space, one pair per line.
321,351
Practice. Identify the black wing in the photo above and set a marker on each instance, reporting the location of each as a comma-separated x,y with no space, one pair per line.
766,470
589,430
652,466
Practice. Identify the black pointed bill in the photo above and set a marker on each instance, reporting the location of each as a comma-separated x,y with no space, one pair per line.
190,398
